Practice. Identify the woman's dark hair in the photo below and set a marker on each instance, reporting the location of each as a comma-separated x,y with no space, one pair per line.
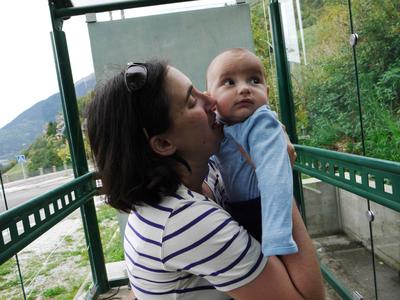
117,124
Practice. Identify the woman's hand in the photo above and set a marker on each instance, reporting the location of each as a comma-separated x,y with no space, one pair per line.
290,147
291,150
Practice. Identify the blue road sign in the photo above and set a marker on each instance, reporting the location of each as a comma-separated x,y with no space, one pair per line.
21,158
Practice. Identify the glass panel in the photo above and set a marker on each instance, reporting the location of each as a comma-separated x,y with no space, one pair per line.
34,154
378,65
337,223
262,38
54,265
386,239
112,226
322,71
10,284
35,158
378,57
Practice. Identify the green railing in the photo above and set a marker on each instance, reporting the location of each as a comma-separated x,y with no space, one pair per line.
375,179
26,222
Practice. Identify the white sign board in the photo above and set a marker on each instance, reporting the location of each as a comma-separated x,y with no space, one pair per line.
290,31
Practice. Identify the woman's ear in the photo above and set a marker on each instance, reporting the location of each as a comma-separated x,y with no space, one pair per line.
162,145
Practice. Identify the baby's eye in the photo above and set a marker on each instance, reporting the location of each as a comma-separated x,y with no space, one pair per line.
255,80
228,82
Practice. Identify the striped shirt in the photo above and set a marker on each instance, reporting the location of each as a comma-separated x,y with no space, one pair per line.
188,247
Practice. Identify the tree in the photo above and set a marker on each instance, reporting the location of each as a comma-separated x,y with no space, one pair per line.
43,153
51,129
328,86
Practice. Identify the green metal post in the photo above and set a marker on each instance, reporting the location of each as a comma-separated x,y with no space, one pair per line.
285,91
115,5
72,122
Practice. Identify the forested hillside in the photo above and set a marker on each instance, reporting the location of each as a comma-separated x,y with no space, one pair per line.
25,128
51,148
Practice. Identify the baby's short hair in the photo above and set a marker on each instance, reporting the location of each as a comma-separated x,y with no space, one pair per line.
230,50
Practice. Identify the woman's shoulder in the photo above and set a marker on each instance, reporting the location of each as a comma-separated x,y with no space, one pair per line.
187,202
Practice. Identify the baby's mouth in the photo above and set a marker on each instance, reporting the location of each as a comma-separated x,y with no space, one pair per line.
244,101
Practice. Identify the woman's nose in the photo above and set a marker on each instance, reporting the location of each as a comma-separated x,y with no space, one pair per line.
209,102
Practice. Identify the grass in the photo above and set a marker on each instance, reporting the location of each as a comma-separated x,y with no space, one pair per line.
109,233
59,274
17,169
58,290
68,239
6,268
15,173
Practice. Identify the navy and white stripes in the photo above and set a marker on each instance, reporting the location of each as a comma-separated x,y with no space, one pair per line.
188,248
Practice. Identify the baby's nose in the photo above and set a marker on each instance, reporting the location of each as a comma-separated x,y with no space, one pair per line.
243,88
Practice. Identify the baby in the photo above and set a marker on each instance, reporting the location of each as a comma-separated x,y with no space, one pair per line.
253,157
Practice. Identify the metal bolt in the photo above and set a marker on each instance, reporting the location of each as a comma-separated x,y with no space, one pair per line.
370,215
353,39
357,296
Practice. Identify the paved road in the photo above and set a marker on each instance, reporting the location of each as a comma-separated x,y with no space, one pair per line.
18,192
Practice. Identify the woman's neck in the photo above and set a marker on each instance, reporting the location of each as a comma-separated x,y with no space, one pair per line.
194,179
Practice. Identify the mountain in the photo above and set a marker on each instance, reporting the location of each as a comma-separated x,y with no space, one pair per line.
25,128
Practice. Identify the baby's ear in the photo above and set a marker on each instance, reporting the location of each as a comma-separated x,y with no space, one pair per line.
162,145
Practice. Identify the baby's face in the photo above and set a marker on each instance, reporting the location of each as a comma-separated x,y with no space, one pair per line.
236,81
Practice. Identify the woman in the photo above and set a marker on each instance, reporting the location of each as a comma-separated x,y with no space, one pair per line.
152,133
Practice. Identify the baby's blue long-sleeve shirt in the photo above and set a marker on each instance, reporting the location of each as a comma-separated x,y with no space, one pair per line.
261,136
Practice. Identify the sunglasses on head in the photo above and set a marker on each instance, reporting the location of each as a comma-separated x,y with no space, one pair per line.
135,76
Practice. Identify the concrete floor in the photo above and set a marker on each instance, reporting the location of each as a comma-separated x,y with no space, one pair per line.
351,263
121,293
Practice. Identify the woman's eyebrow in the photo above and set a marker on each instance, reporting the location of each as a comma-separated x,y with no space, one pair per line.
189,92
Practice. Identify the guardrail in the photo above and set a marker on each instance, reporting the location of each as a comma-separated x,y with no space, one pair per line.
375,179
28,221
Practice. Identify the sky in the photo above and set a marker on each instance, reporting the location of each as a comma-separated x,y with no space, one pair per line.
27,70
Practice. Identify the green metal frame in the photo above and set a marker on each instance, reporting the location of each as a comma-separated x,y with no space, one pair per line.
66,12
28,221
375,179
336,284
363,176
286,102
77,149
